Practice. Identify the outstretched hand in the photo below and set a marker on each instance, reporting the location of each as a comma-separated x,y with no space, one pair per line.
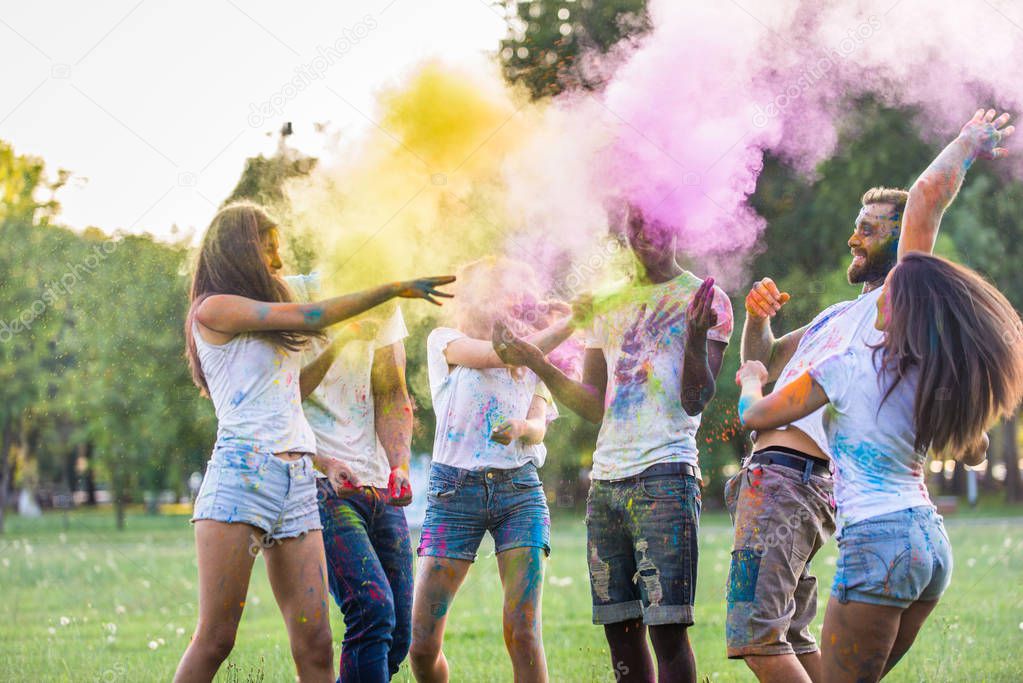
984,134
512,350
700,315
425,288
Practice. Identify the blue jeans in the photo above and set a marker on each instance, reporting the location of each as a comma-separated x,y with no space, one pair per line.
642,548
894,559
369,562
465,504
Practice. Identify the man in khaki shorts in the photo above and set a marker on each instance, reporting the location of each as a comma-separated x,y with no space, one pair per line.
781,500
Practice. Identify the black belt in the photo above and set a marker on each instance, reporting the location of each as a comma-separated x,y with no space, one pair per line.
807,465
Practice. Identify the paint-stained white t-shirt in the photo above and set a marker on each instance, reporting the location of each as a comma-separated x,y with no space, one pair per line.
641,330
839,327
877,470
470,403
254,386
341,409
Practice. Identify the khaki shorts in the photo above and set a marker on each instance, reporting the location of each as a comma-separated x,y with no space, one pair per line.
780,524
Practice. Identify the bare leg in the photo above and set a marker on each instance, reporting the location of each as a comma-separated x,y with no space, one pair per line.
778,668
676,662
436,584
225,565
297,569
521,572
811,662
912,619
857,640
630,655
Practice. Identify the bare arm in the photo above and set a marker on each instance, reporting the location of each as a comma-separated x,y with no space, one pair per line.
758,341
480,354
530,430
935,189
700,364
231,314
392,410
797,399
585,398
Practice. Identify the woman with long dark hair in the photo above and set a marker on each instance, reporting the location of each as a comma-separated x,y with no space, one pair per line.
243,332
950,364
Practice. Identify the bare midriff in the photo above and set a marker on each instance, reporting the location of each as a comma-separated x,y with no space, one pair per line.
290,455
790,437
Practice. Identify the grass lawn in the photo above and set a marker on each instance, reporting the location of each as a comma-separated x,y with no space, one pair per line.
83,602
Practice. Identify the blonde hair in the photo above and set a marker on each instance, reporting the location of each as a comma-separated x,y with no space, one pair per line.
886,195
497,288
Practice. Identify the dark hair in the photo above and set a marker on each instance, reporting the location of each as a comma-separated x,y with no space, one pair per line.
966,341
231,262
886,195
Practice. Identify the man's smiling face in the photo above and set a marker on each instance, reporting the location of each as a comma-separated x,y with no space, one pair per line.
874,243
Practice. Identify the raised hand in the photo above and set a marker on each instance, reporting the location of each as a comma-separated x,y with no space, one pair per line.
764,300
508,431
424,288
750,371
512,350
984,134
399,488
700,314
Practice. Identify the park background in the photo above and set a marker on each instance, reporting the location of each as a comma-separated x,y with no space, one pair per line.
102,428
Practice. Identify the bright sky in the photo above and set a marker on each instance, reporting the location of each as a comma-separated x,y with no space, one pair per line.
155,105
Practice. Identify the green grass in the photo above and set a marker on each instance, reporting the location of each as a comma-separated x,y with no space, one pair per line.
83,602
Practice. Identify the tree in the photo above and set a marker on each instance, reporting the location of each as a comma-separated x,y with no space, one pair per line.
30,314
547,39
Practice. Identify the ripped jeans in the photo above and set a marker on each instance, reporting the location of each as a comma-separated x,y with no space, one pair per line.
641,546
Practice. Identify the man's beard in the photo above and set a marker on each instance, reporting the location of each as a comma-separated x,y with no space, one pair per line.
874,267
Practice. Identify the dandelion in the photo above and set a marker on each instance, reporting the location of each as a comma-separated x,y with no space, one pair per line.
64,621
112,627
153,644
111,639
970,562
120,609
180,631
53,631
254,599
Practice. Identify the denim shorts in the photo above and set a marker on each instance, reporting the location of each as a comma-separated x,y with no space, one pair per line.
641,546
275,495
464,504
894,559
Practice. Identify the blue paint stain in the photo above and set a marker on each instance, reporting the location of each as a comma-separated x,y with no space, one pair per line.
744,404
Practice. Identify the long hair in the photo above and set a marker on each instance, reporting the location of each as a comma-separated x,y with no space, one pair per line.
231,262
965,340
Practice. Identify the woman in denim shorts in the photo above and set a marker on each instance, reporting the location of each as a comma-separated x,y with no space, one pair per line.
259,493
950,364
491,421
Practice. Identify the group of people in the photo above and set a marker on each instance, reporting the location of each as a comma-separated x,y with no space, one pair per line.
310,466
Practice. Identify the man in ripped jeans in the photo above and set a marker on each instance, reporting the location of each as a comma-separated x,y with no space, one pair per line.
653,353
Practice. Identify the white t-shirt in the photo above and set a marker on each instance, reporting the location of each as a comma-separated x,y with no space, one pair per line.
877,470
255,392
470,403
837,328
644,423
341,408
